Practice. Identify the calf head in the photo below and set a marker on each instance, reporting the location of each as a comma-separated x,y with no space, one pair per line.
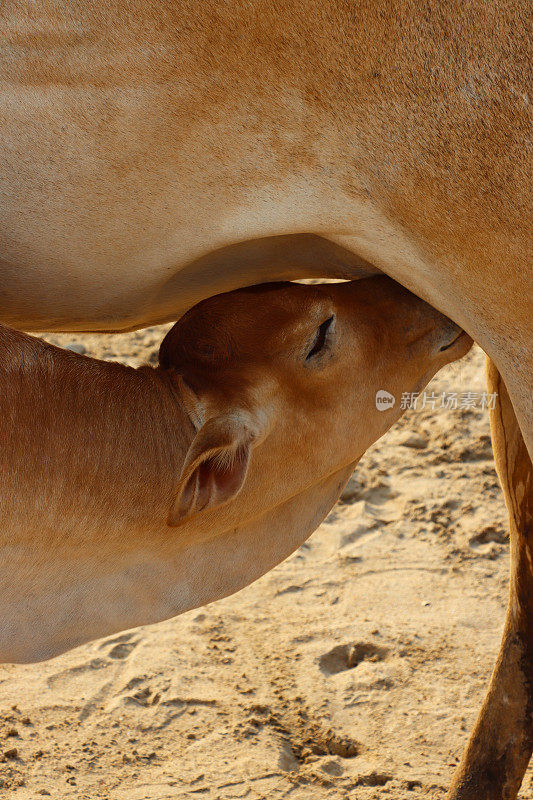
283,384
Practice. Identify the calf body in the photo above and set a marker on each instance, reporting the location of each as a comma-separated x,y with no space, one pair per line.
128,495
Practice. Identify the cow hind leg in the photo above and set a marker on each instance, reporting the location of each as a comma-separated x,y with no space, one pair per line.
501,744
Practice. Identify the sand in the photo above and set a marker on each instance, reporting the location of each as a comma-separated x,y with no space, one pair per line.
353,670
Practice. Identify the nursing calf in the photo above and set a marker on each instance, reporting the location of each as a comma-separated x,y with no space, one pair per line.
128,496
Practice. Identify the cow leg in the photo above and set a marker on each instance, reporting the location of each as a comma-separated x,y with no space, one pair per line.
500,747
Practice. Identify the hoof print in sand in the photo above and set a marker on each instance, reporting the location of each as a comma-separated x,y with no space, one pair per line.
489,540
373,779
348,656
122,646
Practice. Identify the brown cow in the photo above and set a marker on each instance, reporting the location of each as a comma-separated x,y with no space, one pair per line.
156,152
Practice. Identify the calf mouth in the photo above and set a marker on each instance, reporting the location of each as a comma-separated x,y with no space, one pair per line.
458,346
462,335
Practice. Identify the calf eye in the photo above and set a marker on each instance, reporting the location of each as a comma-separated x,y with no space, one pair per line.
320,339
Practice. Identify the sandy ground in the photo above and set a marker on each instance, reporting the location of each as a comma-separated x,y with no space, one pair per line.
353,670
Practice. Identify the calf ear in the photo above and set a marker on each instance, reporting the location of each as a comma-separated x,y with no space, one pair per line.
215,466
